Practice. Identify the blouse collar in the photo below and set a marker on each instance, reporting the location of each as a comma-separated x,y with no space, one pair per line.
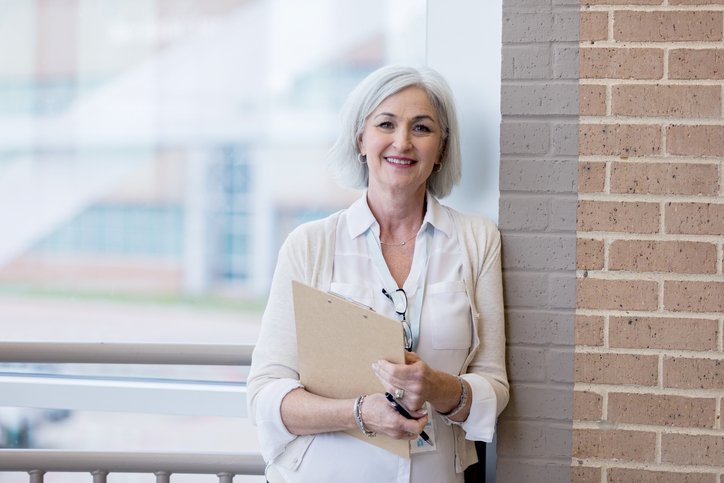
360,217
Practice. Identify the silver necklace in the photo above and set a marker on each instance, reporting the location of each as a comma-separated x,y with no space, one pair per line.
397,244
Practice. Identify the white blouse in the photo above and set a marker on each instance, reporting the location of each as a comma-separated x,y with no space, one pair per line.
445,338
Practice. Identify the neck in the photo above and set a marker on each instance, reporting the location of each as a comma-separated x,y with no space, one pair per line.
399,216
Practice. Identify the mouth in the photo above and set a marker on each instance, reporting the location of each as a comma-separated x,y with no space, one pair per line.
400,161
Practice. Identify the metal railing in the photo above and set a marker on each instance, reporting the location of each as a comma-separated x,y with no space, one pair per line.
37,462
99,464
126,353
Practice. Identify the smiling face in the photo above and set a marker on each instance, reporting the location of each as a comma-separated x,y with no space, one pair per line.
402,141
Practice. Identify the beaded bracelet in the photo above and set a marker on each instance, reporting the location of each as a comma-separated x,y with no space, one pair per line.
463,400
358,417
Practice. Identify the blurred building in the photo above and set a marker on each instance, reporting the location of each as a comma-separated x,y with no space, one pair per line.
169,146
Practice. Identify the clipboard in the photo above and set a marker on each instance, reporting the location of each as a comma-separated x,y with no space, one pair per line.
337,342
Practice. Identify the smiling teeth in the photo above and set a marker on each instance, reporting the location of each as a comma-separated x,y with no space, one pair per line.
398,161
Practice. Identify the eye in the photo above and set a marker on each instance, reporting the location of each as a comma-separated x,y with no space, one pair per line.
385,125
421,128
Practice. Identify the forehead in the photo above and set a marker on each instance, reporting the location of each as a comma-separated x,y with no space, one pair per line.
409,102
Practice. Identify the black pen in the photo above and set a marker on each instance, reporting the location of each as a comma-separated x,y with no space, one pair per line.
400,409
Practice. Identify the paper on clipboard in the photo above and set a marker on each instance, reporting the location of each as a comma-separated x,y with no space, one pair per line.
337,342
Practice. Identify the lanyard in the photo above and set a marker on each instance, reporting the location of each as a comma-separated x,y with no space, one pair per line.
414,312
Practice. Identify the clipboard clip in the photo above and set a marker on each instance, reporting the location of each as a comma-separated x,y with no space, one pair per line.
352,301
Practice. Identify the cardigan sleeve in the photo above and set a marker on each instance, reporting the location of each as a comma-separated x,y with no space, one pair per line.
486,372
273,371
305,256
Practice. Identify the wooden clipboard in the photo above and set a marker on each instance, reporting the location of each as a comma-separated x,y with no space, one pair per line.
337,342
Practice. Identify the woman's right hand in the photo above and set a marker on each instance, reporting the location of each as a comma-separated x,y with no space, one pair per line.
380,416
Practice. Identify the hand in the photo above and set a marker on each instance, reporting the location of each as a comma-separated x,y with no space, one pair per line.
381,417
415,377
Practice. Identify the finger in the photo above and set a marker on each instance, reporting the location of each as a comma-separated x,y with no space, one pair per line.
389,375
396,374
386,367
411,358
415,426
418,414
384,379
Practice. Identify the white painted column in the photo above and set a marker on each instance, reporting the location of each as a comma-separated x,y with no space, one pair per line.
464,45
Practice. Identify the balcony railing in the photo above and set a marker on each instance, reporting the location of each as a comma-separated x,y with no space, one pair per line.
99,464
74,392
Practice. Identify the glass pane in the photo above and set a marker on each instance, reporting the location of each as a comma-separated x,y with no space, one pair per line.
165,148
154,155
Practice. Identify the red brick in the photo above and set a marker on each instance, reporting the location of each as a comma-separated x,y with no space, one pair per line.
673,26
589,254
694,218
664,178
626,475
596,293
694,296
693,373
629,369
701,140
690,449
593,26
618,216
696,64
621,2
666,101
696,2
625,140
585,474
589,330
592,100
663,333
662,410
621,63
587,406
591,177
614,444
662,256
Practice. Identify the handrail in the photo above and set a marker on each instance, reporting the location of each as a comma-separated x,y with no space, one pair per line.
87,461
36,462
126,353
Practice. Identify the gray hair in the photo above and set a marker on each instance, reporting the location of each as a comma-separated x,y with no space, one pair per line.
369,94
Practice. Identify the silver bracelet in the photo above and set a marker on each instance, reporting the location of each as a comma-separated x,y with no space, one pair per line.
358,417
463,400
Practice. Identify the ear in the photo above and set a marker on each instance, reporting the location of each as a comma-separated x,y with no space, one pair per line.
360,145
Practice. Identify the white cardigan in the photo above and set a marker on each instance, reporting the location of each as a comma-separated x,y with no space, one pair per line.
307,256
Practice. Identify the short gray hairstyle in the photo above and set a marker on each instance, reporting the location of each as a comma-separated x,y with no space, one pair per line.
369,94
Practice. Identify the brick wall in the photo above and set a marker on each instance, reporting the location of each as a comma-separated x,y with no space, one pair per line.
649,365
538,183
612,216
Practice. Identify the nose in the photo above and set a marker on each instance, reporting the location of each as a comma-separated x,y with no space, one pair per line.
403,140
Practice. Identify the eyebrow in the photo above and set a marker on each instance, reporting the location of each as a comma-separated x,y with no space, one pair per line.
415,118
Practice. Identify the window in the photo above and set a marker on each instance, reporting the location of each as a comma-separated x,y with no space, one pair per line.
154,154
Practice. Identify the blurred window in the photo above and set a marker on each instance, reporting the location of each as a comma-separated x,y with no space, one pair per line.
154,154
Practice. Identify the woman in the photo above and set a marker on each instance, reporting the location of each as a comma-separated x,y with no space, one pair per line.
401,252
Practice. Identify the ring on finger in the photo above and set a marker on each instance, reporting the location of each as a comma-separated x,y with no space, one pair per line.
399,393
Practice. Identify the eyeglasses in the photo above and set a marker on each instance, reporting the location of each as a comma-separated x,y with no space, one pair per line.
399,300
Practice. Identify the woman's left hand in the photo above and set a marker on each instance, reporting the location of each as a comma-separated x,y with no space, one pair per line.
414,377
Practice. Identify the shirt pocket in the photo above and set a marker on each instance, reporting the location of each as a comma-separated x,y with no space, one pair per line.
449,309
356,293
